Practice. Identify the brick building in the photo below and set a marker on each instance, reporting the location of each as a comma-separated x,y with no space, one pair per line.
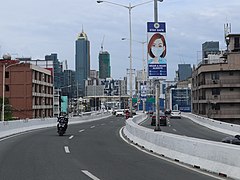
29,89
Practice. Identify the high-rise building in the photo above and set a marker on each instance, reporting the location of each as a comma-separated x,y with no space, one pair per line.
210,47
184,72
57,67
82,61
104,65
69,87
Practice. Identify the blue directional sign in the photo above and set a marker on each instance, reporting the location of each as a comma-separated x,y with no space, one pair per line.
156,27
157,69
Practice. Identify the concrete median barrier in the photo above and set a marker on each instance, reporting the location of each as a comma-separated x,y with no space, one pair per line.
217,157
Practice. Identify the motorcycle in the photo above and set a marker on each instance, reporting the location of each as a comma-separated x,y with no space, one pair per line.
62,125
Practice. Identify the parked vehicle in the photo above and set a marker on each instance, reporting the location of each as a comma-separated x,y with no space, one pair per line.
175,114
232,140
162,119
120,112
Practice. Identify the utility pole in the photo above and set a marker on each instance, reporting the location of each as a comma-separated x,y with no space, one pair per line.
157,81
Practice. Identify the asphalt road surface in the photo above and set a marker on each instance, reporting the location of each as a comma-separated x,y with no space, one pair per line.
186,127
92,150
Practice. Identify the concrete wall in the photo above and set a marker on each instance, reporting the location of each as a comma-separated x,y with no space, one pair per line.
212,156
220,126
8,128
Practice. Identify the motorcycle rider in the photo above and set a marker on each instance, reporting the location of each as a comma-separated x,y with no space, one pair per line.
62,119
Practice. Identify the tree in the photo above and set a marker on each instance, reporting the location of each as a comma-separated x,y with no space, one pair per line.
7,109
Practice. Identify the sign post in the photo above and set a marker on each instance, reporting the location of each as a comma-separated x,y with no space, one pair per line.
157,63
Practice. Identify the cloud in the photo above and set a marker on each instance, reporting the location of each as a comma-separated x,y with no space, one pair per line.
36,28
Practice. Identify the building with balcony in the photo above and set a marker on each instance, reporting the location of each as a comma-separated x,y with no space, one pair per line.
29,89
216,84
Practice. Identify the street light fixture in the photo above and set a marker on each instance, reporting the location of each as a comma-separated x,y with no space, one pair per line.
3,85
130,7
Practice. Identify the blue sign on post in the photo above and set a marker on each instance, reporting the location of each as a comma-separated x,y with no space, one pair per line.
156,27
157,49
157,69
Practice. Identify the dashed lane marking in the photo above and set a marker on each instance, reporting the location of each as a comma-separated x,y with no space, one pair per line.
71,137
81,130
66,149
92,127
90,175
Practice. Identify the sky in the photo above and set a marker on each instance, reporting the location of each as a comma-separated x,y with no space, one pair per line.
30,28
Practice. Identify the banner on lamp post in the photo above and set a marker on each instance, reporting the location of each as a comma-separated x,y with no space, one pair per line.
157,49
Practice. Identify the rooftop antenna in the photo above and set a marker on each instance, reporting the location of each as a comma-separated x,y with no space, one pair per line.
82,28
102,43
227,31
66,65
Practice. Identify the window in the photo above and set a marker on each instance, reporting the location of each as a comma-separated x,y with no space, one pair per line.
215,91
215,106
215,76
236,42
7,74
6,87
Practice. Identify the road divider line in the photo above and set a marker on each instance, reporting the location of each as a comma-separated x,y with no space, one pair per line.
92,127
66,149
81,130
71,137
90,175
174,130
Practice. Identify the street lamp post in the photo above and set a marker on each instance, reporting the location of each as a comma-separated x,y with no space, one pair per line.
130,7
143,61
157,82
3,86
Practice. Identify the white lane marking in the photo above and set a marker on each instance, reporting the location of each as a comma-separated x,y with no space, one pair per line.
102,124
174,130
111,121
92,127
90,175
71,137
81,130
169,160
66,149
143,121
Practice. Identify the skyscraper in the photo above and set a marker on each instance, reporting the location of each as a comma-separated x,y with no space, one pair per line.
104,65
210,47
184,71
82,61
57,66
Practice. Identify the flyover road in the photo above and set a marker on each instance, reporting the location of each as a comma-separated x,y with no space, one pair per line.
186,127
92,150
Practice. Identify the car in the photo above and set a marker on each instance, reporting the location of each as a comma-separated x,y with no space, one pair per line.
150,113
120,112
162,119
168,112
232,140
175,114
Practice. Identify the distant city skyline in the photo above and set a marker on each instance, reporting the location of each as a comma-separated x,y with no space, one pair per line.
25,33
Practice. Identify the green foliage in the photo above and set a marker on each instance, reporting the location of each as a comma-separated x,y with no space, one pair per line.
7,109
